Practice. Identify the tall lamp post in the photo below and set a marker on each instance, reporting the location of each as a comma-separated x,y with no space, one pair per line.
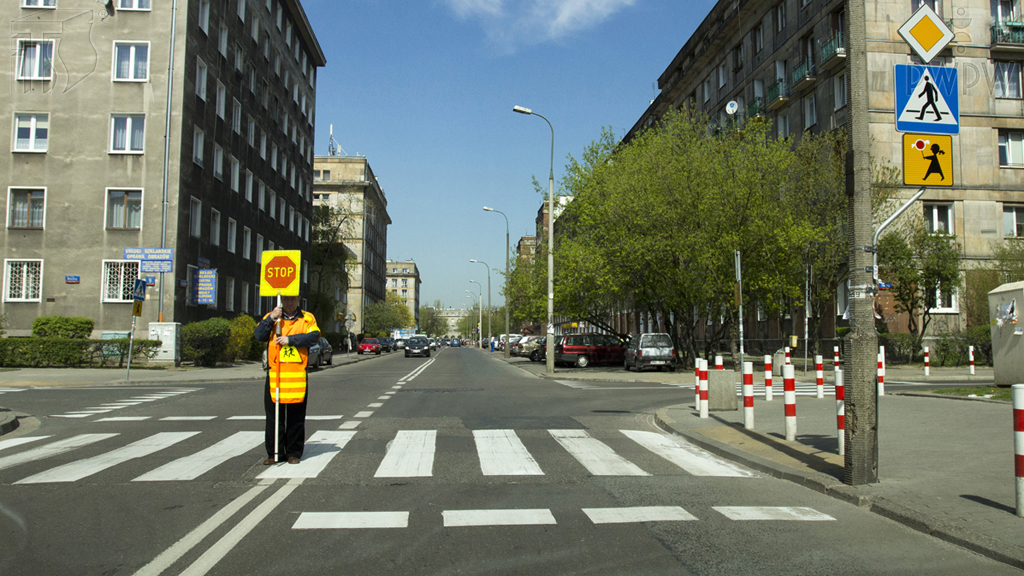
508,352
551,242
480,322
488,296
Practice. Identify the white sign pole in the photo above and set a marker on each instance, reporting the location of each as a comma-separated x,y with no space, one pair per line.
131,340
277,387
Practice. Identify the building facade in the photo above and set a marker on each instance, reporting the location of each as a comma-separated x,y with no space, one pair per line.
347,184
403,279
212,164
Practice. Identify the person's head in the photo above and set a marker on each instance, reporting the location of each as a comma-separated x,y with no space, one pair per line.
289,303
936,148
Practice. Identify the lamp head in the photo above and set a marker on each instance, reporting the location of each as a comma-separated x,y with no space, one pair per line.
522,110
488,209
471,260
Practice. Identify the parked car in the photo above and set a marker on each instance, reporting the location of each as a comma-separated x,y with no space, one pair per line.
517,346
320,353
582,350
534,349
417,346
434,344
399,343
650,350
369,345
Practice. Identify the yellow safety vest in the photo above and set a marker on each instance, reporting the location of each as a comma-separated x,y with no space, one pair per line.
288,363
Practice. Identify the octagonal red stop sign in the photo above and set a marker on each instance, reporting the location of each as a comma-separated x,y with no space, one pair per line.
280,272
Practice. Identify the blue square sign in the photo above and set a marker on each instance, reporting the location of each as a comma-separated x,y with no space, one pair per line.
927,99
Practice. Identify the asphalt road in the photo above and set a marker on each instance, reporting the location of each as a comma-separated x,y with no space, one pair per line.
457,464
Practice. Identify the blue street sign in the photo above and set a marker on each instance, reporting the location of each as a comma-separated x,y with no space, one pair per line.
927,99
156,266
139,292
72,279
149,253
205,287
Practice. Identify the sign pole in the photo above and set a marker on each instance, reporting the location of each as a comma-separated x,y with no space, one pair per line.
131,340
277,388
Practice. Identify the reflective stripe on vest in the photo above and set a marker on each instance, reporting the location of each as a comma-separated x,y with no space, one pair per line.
290,376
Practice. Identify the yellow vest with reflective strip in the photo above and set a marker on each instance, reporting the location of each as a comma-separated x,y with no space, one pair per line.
290,376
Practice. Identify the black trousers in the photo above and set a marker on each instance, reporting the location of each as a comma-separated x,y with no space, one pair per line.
292,430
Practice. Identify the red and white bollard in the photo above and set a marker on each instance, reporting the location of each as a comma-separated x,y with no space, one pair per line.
703,388
789,397
1018,444
840,412
767,378
819,376
881,375
927,363
696,383
787,355
970,351
748,395
835,358
719,365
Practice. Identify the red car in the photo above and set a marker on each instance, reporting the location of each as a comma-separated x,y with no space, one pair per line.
583,350
369,345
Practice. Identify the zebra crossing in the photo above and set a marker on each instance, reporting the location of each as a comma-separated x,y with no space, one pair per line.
111,406
5,390
408,454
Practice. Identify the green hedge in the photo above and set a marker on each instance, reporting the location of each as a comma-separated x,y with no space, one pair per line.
241,342
899,348
44,352
62,327
206,342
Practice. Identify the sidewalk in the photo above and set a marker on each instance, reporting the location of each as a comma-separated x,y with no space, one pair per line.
945,465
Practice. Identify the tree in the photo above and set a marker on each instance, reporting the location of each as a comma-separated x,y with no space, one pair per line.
431,323
380,318
327,262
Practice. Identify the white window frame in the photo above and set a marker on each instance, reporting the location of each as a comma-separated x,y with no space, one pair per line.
250,135
201,74
262,196
29,293
232,233
204,16
195,217
22,43
222,100
222,40
931,217
132,61
272,203
218,161
198,145
255,28
135,5
107,207
239,58
126,293
1013,215
236,116
1006,79
1011,147
281,214
33,133
954,301
214,227
229,294
245,296
810,108
10,206
48,4
246,242
839,90
248,185
236,172
241,10
782,124
130,121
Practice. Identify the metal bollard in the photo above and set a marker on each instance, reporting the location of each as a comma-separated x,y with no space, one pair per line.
767,378
840,412
748,395
819,376
789,396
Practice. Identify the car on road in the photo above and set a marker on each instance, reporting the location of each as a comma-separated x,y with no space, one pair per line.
417,346
369,346
320,353
650,350
534,349
399,343
582,350
456,343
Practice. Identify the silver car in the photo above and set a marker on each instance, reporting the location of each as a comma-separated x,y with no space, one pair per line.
651,350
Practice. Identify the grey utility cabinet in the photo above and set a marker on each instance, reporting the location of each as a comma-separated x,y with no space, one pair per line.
1007,333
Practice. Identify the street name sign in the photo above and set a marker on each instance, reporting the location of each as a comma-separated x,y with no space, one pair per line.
927,160
926,33
927,99
280,272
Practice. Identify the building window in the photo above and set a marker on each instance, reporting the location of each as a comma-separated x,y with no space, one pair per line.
1011,148
236,115
134,5
246,242
251,132
198,142
248,186
810,112
938,218
35,59
782,125
1007,80
27,208
405,293
204,16
200,78
1013,221
943,302
131,61
127,133
222,40
273,157
124,209
259,246
935,5
214,227
263,145
218,162
39,3
839,87
241,10
236,172
239,58
245,297
758,38
222,100
31,132
707,89
195,221
229,296
119,278
273,205
263,196
23,280
780,16
232,231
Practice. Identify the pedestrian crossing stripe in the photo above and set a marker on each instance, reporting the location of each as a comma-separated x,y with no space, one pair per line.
927,99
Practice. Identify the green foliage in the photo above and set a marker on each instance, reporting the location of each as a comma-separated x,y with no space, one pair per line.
62,327
41,352
241,341
975,301
1008,258
3,324
953,347
333,338
382,317
900,348
105,352
981,338
206,342
431,323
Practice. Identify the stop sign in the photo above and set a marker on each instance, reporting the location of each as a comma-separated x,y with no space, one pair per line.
280,272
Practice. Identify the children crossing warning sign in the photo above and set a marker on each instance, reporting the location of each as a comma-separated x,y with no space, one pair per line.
927,99
927,160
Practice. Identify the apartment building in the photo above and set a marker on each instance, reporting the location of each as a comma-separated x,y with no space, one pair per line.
404,281
347,183
197,172
786,60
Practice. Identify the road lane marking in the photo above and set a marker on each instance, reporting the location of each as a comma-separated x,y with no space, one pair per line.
89,466
638,514
350,425
363,414
70,415
321,447
351,520
19,441
123,419
384,397
687,456
503,454
331,417
52,449
247,418
799,513
594,455
192,466
527,517
411,454
375,405
187,418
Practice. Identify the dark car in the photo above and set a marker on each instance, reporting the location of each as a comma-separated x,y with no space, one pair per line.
369,345
320,353
387,344
582,350
650,350
417,346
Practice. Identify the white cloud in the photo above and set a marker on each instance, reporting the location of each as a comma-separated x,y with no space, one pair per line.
467,8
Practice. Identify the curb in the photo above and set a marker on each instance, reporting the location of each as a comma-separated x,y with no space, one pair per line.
8,421
949,397
824,484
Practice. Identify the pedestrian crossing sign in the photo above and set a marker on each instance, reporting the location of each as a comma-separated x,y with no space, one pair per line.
927,99
927,160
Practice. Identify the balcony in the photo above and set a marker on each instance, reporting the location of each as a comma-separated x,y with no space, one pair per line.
833,52
778,95
1008,36
756,108
803,76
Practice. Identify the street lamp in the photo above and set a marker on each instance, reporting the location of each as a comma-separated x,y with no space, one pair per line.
508,352
488,296
480,322
551,239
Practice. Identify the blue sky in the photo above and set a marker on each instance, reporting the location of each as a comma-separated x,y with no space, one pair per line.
425,89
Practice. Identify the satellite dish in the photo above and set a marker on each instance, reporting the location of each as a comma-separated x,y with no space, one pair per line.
731,107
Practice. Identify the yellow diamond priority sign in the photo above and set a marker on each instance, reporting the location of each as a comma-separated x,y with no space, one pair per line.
926,33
